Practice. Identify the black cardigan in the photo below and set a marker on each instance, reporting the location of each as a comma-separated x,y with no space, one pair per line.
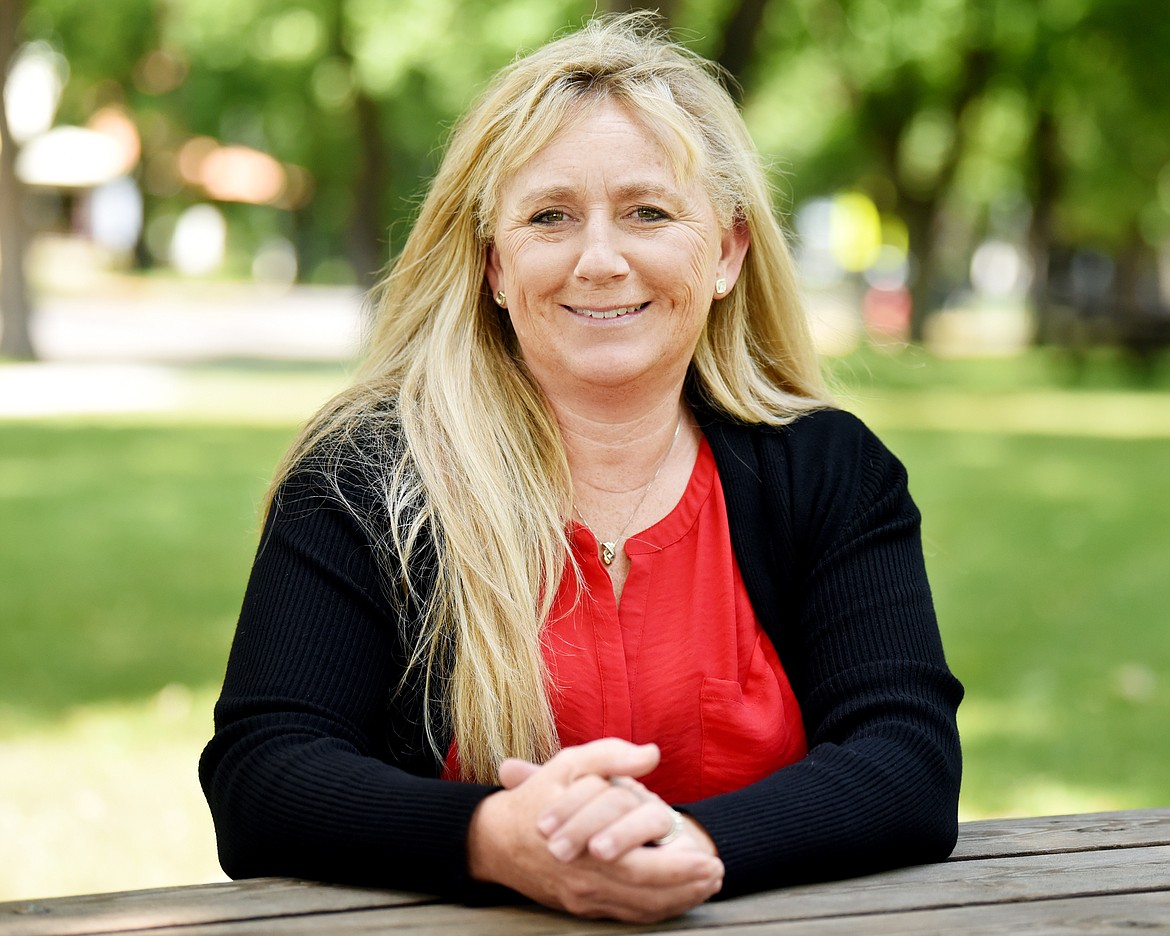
318,769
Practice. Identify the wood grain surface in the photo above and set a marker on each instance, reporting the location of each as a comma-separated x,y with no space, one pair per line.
1104,872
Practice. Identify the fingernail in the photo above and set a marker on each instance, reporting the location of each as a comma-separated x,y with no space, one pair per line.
604,847
561,848
547,825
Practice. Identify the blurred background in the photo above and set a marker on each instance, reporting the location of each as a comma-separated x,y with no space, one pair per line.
194,195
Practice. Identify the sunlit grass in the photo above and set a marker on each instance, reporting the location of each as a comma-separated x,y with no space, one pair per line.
1047,528
127,540
106,798
874,369
1048,556
126,544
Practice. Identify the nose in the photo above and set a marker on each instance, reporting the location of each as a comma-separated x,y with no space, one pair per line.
602,258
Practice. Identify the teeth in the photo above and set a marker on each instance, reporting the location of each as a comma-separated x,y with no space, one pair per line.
607,313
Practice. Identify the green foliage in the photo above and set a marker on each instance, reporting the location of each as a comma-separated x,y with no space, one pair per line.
358,92
102,45
928,106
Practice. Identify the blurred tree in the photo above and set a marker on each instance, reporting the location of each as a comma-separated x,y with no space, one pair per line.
1111,152
872,96
735,47
15,308
356,91
1040,122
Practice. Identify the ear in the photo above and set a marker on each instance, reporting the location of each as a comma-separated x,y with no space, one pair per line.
495,276
733,248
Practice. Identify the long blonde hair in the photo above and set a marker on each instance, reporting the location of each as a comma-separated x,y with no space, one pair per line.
456,440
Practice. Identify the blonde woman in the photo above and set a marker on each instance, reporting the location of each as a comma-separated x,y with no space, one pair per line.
583,590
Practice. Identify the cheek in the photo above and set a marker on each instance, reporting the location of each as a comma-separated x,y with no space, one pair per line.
701,257
536,273
521,322
531,323
696,283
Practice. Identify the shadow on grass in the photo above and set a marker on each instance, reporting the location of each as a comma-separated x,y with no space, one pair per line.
125,553
910,367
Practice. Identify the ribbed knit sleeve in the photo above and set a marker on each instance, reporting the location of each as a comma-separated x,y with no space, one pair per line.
318,767
828,541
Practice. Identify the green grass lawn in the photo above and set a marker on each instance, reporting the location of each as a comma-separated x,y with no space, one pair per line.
1047,534
1049,559
126,550
126,543
124,554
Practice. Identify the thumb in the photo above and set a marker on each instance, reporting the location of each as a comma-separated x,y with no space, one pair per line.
643,760
607,757
514,771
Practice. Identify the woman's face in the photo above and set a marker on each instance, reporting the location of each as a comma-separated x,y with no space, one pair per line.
609,262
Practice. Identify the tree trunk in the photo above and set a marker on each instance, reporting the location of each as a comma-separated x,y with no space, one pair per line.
921,217
368,230
737,45
1045,159
15,308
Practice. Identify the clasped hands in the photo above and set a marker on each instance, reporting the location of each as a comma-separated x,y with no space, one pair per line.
570,834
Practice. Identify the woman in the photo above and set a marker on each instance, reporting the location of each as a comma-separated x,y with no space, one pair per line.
584,539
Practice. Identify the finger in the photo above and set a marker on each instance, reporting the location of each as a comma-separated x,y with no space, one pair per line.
570,800
638,827
638,788
653,886
514,771
591,817
607,757
652,905
667,867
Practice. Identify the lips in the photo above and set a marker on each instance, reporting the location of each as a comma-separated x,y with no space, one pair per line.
616,312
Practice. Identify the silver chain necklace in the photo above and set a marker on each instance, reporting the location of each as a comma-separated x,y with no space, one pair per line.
609,547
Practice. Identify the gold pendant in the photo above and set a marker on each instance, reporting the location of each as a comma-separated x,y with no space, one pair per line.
607,552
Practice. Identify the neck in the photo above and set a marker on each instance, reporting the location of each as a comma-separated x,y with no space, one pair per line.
616,446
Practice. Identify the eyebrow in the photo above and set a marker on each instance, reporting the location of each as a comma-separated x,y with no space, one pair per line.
630,191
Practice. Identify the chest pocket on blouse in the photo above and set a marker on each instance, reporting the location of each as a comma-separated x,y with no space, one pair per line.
750,728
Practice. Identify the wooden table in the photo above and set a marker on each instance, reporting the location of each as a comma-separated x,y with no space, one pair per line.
1099,873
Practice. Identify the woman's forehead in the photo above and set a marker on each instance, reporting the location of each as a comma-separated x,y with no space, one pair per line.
606,111
605,138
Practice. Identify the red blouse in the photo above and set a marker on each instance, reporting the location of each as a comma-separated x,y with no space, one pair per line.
682,661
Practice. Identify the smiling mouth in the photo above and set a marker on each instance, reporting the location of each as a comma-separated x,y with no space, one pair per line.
607,313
